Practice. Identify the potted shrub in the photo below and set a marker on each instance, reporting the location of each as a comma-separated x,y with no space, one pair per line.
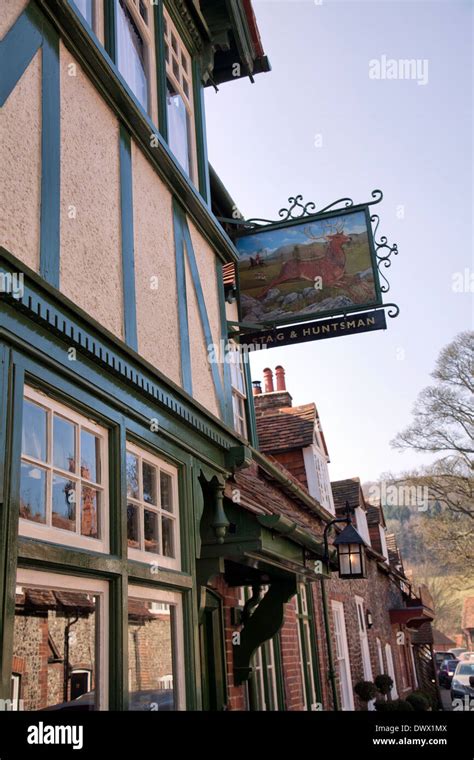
366,691
384,684
419,701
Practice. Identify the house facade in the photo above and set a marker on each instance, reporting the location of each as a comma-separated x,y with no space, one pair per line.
153,554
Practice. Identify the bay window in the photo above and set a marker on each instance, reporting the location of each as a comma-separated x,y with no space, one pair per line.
135,56
64,475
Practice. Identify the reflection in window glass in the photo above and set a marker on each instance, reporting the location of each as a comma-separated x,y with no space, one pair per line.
33,493
149,483
178,127
64,503
167,529
90,511
85,7
90,456
34,431
166,492
132,475
55,647
131,54
64,447
152,543
151,656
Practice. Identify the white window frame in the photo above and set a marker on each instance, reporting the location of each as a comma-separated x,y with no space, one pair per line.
383,541
46,531
173,563
239,395
317,475
391,670
412,660
380,656
342,655
174,599
146,29
100,589
176,81
304,630
362,525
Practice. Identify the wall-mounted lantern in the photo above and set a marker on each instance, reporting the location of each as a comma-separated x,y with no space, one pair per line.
350,547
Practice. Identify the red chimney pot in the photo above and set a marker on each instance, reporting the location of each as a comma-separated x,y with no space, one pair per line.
268,380
280,378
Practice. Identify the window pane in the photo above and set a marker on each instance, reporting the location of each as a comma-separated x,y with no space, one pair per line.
90,456
133,539
166,492
167,528
90,505
149,483
64,444
132,475
178,127
151,657
85,7
131,55
64,504
33,442
33,493
43,618
151,531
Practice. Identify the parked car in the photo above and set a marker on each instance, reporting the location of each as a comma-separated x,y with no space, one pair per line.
440,657
469,656
463,680
457,651
446,672
148,700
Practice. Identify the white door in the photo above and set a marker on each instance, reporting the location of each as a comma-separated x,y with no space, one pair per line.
342,656
391,670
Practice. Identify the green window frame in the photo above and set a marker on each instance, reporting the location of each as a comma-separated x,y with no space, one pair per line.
309,660
114,567
265,690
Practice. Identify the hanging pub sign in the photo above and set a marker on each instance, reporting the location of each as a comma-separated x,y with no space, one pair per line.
309,266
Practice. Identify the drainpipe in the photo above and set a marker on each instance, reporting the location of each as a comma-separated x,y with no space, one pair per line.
331,671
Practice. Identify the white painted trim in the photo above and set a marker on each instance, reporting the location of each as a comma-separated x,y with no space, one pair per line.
340,627
150,558
100,589
391,670
46,532
174,599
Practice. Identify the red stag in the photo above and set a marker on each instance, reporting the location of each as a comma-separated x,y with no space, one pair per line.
329,265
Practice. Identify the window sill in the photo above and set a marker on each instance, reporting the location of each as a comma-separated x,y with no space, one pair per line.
64,538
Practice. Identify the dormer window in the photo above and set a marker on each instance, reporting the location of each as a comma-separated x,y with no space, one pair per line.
362,527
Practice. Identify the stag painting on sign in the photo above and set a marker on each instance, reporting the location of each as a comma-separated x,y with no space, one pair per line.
313,266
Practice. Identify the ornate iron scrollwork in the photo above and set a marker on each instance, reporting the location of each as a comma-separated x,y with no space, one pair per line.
383,252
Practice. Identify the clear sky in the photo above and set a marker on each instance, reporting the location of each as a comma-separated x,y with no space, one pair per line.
319,125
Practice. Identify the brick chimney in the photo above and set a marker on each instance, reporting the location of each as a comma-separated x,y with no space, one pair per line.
270,399
256,387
